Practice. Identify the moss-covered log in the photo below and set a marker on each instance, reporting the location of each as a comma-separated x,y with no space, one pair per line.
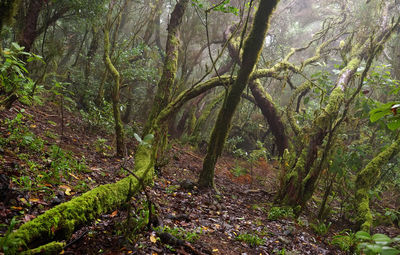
251,51
366,179
60,222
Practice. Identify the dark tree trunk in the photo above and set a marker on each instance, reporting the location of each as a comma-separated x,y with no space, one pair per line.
29,32
270,113
251,51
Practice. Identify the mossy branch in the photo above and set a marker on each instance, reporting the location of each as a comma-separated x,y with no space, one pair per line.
366,179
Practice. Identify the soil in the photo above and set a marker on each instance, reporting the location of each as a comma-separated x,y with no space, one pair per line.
206,222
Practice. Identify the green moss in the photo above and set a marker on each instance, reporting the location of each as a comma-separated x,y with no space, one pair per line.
289,110
47,249
62,220
366,179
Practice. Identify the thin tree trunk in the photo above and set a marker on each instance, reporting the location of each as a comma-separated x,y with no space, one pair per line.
119,132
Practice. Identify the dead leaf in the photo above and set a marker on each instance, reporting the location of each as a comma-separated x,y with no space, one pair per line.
33,200
74,176
114,213
17,208
67,189
153,239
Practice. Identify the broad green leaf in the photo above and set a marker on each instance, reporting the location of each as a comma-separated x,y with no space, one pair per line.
148,138
394,124
389,251
381,239
362,235
375,248
137,137
379,114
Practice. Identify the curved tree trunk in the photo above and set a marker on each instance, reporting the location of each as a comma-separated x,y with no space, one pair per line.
119,131
251,51
366,179
265,103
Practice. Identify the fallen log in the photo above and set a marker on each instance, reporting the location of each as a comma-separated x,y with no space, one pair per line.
60,222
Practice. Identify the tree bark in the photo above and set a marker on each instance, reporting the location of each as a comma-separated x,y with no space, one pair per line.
251,51
119,131
366,179
265,103
29,32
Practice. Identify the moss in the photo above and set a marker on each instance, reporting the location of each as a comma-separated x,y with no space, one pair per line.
61,221
289,112
47,249
326,117
366,179
119,131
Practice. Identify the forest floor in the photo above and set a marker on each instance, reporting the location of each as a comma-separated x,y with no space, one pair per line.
39,169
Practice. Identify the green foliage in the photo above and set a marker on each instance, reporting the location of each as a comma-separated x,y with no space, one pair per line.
99,118
238,170
381,76
4,239
231,143
320,228
14,81
377,244
280,212
24,182
19,134
172,188
251,239
62,162
346,239
181,233
146,141
101,146
392,214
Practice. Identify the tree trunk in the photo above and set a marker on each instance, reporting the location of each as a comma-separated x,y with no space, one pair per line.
265,103
29,32
366,179
119,132
166,83
251,51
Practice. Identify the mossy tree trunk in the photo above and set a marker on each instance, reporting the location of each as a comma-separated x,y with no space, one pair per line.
266,104
303,170
166,83
251,51
119,131
366,179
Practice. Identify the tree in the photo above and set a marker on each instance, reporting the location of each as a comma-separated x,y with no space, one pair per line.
119,130
166,83
251,51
